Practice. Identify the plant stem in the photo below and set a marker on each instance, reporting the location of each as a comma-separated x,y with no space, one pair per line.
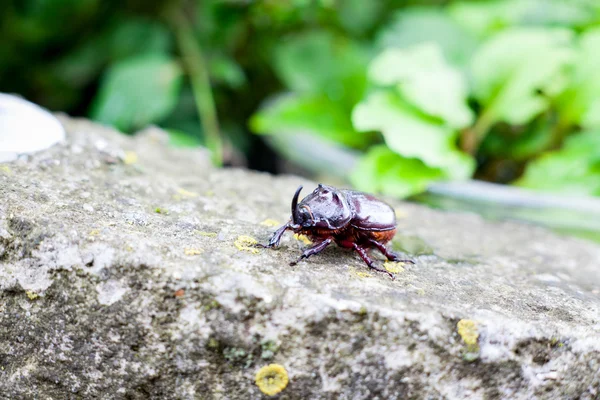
194,63
472,138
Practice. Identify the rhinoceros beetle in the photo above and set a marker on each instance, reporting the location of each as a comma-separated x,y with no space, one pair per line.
351,219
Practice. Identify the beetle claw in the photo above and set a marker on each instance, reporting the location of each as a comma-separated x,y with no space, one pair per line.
292,263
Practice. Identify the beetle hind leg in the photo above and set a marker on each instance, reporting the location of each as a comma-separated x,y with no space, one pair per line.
390,255
362,252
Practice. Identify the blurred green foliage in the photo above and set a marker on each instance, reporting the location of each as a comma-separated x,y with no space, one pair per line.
502,90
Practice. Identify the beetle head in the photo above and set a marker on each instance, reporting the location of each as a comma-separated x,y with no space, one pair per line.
325,208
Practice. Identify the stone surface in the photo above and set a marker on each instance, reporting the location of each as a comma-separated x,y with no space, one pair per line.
123,276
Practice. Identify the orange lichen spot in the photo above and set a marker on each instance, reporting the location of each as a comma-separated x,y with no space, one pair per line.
192,252
393,267
179,293
131,157
246,243
271,379
303,238
270,222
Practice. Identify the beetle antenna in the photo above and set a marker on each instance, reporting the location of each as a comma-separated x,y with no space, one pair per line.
295,203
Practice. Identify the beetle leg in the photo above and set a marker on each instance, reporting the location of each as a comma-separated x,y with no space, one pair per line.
276,237
390,255
365,256
317,248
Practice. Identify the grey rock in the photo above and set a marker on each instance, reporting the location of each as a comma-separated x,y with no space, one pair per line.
126,279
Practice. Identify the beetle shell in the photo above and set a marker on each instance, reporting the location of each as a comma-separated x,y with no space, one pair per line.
370,213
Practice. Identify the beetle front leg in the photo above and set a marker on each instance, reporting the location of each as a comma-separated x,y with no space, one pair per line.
276,236
390,255
317,248
365,256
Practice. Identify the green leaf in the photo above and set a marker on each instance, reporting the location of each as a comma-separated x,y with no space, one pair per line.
419,25
137,92
484,18
520,145
426,81
358,16
516,72
580,103
412,136
383,171
320,63
316,115
179,138
225,70
574,169
122,39
137,36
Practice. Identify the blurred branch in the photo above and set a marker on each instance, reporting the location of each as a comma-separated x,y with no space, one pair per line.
472,138
194,63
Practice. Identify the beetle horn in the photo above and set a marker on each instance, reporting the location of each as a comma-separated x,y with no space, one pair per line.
295,203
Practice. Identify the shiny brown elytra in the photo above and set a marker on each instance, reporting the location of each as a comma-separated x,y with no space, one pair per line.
353,220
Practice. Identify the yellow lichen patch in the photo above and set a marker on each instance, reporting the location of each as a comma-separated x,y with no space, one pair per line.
5,169
303,238
31,294
184,194
206,234
159,210
362,275
270,222
246,243
271,379
393,267
467,329
192,252
131,157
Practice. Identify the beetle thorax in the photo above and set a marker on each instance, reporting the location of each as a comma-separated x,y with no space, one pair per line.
325,208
